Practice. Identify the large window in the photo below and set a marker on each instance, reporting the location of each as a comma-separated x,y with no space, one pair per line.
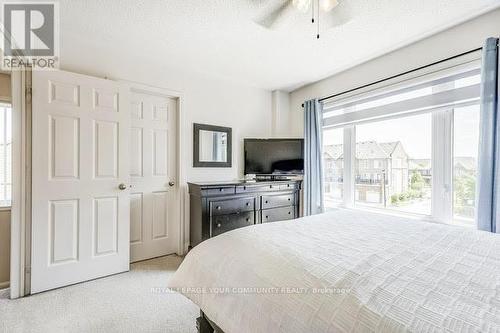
409,147
5,154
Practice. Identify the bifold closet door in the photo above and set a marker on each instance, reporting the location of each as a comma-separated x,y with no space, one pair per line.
80,179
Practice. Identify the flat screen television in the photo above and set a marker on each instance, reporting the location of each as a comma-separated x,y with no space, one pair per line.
274,156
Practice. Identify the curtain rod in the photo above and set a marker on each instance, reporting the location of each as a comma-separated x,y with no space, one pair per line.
398,75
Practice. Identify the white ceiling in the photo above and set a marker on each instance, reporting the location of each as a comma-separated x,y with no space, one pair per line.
220,38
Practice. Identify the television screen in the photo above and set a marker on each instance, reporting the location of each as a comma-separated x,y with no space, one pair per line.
274,156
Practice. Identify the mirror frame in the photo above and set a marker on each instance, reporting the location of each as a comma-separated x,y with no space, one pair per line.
196,146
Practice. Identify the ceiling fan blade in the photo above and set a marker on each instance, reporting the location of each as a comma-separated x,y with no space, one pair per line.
276,12
339,15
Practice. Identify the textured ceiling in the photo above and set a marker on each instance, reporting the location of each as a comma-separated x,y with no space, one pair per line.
220,38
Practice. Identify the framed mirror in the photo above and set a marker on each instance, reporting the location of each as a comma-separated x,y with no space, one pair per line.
212,146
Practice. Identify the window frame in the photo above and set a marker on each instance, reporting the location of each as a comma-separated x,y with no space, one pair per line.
442,157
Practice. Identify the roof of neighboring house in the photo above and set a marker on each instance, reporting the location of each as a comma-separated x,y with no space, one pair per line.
333,151
370,150
389,147
419,164
468,163
364,150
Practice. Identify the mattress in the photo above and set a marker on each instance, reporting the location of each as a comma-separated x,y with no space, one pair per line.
346,271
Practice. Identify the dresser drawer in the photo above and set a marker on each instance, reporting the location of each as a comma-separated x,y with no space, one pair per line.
250,188
218,190
223,223
290,186
232,205
281,200
278,214
255,187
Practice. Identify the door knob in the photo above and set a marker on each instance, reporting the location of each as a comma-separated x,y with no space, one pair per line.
122,186
171,183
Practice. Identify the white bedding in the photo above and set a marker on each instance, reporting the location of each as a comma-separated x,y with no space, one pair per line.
397,275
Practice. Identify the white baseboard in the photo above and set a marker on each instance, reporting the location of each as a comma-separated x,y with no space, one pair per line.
4,285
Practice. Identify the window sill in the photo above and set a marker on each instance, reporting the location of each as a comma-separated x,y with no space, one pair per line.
416,217
463,222
5,209
456,220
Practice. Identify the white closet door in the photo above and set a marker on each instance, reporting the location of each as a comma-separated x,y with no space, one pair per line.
154,201
80,182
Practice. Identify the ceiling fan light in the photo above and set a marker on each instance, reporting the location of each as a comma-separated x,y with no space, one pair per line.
328,5
302,5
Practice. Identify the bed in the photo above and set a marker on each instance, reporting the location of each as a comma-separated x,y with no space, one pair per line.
346,271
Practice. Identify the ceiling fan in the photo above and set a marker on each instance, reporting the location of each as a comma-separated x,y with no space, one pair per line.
336,12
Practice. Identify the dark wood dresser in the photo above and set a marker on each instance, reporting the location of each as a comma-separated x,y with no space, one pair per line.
219,207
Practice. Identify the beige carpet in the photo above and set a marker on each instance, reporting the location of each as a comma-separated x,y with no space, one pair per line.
127,302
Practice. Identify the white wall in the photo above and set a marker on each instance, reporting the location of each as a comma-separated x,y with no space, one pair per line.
280,113
459,39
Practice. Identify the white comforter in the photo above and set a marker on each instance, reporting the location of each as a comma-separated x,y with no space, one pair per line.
346,271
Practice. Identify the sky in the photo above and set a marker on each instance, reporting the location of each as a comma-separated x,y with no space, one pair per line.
415,133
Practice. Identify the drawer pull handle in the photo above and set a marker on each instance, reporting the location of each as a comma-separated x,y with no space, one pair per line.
247,219
289,199
218,225
221,189
266,201
289,213
218,207
267,216
248,204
